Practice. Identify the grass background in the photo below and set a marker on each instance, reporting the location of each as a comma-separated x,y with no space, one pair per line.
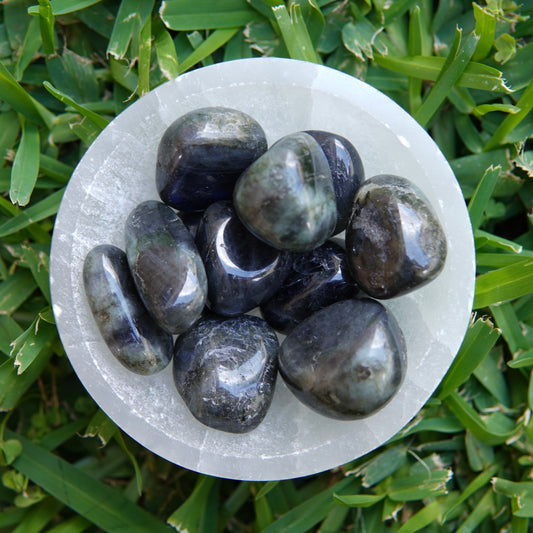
463,70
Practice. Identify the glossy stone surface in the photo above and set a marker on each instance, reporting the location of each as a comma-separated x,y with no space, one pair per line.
202,153
347,360
166,267
225,371
286,197
394,241
317,279
130,333
191,219
346,168
242,271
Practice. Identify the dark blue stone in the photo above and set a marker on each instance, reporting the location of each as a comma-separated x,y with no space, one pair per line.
129,331
317,279
166,267
286,198
202,154
346,361
242,271
225,371
394,241
191,219
346,168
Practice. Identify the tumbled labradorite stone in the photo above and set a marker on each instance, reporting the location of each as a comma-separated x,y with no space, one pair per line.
166,267
286,197
346,168
242,271
317,279
202,153
225,370
129,331
394,241
345,361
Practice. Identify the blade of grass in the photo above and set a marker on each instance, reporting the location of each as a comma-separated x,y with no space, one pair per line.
28,49
480,481
27,348
419,486
98,120
101,426
187,517
16,22
62,7
46,26
123,75
504,284
98,18
165,50
102,505
55,169
13,386
35,213
480,337
478,426
76,524
190,15
482,238
39,516
426,516
522,360
447,79
131,17
482,194
483,509
511,121
217,39
414,49
15,290
86,130
475,75
74,76
145,49
9,130
263,513
294,32
14,95
509,324
381,466
25,167
485,28
9,330
305,516
359,500
489,374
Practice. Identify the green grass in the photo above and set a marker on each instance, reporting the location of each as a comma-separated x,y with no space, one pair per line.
463,70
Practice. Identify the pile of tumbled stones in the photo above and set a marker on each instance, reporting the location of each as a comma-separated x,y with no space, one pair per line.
243,226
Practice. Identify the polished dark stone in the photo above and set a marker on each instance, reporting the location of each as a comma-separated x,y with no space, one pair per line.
225,371
286,197
166,267
191,219
317,279
129,331
202,154
346,361
242,271
346,170
394,241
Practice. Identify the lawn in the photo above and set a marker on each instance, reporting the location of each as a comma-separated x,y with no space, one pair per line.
463,70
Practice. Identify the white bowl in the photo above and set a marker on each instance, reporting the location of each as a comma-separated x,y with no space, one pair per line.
118,172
